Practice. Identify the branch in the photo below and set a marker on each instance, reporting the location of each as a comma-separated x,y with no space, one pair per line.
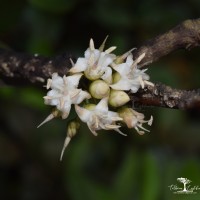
164,96
16,67
184,36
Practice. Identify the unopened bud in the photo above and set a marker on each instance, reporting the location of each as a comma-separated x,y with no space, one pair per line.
91,74
99,89
116,77
90,106
72,129
118,98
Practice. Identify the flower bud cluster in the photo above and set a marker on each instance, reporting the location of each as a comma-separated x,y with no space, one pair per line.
102,104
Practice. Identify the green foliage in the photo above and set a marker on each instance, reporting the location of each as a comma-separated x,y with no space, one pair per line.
54,6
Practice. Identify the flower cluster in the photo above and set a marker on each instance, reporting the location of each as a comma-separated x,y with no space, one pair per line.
102,103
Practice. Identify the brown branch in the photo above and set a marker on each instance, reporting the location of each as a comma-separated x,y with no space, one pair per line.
164,96
36,69
184,36
19,67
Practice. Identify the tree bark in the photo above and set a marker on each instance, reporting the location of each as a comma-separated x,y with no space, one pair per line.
184,36
164,96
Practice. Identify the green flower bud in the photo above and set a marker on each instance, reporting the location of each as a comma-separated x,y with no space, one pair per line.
89,106
118,98
91,74
72,128
116,77
99,89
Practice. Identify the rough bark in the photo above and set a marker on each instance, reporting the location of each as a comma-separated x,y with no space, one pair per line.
184,36
19,67
30,68
164,96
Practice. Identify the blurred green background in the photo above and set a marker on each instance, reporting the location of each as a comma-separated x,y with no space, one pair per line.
110,166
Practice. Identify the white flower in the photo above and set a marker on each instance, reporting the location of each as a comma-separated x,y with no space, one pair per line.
99,117
96,63
132,78
134,119
64,92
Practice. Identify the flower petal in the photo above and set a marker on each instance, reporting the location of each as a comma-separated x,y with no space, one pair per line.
80,66
107,76
80,97
83,113
102,106
73,81
122,84
122,69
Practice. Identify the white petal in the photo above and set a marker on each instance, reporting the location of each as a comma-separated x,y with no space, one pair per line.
57,82
114,116
139,58
102,106
129,60
73,81
107,76
88,53
135,88
149,83
120,132
110,49
50,117
141,82
49,82
80,97
150,121
92,129
105,60
123,69
83,113
101,48
92,48
122,84
65,115
67,141
125,55
80,66
52,98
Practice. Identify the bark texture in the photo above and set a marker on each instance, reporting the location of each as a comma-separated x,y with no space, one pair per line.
164,96
184,36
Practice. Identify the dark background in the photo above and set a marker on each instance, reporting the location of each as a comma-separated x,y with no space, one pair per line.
110,166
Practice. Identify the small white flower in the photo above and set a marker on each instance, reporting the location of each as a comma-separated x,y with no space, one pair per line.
132,78
64,92
99,117
134,119
95,64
